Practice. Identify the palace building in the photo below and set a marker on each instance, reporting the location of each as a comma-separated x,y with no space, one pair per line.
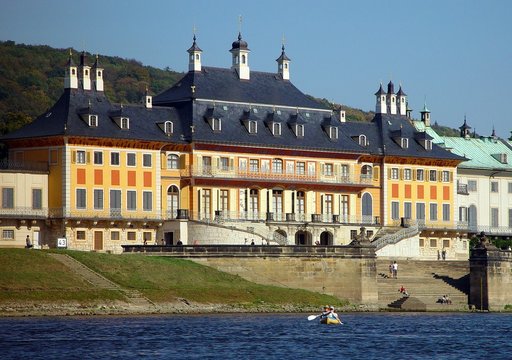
224,156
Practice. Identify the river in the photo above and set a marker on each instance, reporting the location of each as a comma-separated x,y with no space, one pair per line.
259,336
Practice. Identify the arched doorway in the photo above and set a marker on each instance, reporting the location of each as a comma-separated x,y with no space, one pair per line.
367,208
326,238
280,237
173,201
472,219
303,238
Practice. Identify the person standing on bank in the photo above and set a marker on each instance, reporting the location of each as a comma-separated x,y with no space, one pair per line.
395,270
443,254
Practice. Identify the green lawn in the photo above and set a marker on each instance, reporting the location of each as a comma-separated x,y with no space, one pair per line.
32,275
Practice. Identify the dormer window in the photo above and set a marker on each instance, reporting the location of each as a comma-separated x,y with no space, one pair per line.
299,130
93,120
428,144
215,124
168,128
276,129
404,143
124,123
362,140
252,127
333,132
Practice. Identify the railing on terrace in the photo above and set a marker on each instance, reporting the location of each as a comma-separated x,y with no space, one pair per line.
107,214
23,165
237,173
24,212
404,233
226,216
487,229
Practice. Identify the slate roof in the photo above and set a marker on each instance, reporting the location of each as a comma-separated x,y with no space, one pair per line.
224,85
66,117
383,134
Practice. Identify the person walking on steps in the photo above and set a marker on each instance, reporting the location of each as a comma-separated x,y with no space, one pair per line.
395,270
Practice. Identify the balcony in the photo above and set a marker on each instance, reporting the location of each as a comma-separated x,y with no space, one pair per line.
462,189
21,166
237,173
24,212
272,217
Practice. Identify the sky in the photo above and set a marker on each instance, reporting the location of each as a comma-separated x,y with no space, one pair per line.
453,55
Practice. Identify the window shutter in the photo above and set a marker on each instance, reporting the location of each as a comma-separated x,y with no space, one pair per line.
231,163
389,173
88,157
376,173
413,174
439,176
73,156
401,174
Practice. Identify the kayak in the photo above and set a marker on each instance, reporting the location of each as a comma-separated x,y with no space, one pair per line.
330,321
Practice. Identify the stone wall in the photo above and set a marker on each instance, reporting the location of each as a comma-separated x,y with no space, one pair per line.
490,278
346,272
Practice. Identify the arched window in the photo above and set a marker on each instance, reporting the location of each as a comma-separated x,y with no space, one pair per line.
367,208
362,140
243,59
173,161
277,166
169,126
173,201
366,172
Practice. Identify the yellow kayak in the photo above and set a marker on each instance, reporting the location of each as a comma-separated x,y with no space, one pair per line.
330,321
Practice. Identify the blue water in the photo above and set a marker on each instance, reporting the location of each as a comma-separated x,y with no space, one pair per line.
292,336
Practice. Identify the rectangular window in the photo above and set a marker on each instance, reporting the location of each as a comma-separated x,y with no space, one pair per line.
510,218
114,235
224,163
253,127
446,243
463,214
395,210
407,174
277,166
445,176
98,199
130,159
301,168
81,202
433,212
420,175
131,235
114,158
328,169
125,123
510,187
422,242
344,208
328,204
394,173
80,234
299,130
131,200
408,210
495,217
333,132
472,185
8,198
147,201
254,165
224,200
353,234
7,234
80,157
37,199
494,186
115,203
420,212
98,158
146,236
146,160
446,212
433,243
432,175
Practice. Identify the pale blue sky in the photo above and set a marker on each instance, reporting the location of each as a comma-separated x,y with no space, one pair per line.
455,53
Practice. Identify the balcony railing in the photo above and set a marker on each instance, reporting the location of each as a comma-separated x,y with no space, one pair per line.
462,189
487,229
237,173
24,212
23,165
227,216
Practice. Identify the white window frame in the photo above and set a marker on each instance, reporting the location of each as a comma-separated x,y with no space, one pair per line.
98,157
128,155
147,160
115,158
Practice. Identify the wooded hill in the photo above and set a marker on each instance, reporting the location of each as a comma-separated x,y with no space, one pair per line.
32,79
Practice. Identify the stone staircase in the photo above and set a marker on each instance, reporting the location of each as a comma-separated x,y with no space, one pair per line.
135,297
425,281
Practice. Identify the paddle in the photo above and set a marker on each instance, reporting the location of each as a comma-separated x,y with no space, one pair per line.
313,317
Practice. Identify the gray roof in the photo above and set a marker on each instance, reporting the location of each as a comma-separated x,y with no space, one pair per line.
224,85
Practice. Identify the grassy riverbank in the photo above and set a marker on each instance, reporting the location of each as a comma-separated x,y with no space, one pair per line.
33,279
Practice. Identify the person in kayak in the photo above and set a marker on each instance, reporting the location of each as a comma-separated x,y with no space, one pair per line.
329,313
